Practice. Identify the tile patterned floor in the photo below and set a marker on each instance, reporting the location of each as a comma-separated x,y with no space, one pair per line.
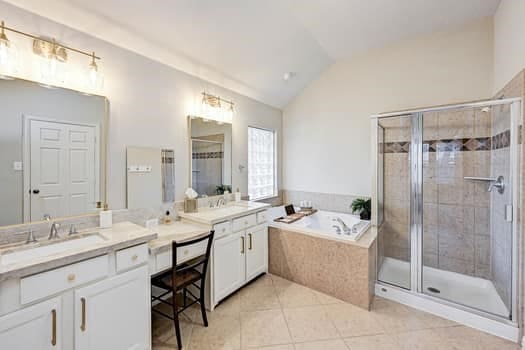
276,314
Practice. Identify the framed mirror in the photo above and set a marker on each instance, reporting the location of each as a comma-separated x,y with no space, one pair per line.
53,152
210,156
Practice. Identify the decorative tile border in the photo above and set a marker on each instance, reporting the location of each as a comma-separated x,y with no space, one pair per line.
498,141
208,155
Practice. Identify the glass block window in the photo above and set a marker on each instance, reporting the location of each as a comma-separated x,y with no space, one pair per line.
262,172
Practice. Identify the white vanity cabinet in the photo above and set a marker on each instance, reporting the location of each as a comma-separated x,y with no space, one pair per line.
239,257
111,314
38,327
102,303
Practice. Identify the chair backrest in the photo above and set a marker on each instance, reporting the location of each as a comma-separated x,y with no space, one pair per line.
201,260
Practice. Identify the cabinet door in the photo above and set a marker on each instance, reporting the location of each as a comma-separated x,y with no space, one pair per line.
257,252
114,314
228,264
37,327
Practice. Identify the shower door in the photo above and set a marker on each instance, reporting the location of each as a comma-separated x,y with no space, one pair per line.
466,198
394,181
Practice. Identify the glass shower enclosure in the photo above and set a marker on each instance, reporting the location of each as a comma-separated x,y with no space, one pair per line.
447,184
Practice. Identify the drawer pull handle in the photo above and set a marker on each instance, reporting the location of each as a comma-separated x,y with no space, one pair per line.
134,257
53,327
250,243
71,277
83,324
242,245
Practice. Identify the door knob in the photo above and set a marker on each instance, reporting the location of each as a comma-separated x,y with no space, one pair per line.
37,191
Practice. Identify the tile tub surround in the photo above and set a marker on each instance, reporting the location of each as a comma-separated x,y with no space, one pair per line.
276,314
337,268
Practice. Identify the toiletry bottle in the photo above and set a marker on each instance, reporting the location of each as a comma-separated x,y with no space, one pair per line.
238,195
106,217
167,218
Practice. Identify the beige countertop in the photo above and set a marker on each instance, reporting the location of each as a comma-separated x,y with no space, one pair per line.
121,235
212,216
177,231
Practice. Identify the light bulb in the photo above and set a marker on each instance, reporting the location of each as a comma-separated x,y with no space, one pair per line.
94,78
7,55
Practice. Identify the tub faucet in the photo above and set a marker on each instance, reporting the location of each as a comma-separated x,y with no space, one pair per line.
337,229
346,229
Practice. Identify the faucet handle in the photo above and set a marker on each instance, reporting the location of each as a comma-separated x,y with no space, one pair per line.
30,236
72,229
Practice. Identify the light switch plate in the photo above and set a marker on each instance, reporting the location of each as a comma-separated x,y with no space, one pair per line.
17,166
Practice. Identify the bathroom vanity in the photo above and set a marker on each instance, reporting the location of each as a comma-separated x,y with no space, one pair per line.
239,252
86,296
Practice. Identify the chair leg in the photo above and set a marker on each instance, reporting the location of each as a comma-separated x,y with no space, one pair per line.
203,308
184,296
176,321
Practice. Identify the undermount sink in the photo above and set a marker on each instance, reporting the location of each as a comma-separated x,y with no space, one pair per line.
23,253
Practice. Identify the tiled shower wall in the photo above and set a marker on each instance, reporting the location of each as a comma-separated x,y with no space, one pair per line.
456,212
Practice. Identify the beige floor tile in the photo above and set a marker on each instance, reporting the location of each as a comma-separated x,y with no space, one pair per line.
398,318
352,321
229,306
374,342
163,332
259,298
335,344
223,332
263,328
274,347
426,339
309,323
295,295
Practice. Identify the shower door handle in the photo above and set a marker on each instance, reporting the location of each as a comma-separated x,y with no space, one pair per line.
474,178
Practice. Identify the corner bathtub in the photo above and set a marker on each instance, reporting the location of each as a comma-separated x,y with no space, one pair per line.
324,223
311,252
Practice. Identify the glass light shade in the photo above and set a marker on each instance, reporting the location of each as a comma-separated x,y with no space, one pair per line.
52,71
8,59
94,78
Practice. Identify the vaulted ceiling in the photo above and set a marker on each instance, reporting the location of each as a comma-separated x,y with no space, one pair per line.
248,45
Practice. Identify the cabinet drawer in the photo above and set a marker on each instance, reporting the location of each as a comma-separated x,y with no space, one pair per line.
131,257
44,284
262,217
163,260
244,222
222,229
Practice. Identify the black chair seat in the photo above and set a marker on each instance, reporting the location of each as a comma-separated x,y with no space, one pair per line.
182,279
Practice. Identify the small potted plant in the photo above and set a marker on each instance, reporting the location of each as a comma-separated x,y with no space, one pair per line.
222,189
363,207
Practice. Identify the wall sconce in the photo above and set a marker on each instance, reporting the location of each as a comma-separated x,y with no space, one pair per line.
53,59
216,108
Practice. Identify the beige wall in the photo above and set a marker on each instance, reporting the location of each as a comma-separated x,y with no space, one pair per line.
509,42
327,129
149,104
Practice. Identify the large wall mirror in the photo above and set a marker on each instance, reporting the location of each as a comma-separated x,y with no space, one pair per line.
211,156
53,152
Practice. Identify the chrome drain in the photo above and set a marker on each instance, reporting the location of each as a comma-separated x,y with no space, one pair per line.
433,290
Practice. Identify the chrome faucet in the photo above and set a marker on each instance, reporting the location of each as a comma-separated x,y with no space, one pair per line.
346,229
53,233
30,236
220,202
337,229
72,229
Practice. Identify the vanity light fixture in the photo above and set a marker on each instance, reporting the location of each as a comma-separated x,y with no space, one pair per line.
54,57
216,108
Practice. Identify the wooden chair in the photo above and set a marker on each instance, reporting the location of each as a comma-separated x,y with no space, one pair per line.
189,274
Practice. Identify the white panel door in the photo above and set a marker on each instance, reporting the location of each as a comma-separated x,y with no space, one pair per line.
81,171
48,169
37,327
257,252
63,169
114,314
228,264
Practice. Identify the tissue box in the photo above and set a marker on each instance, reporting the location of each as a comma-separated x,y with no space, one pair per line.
190,205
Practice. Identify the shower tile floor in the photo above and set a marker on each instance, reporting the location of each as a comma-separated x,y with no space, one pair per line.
275,314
